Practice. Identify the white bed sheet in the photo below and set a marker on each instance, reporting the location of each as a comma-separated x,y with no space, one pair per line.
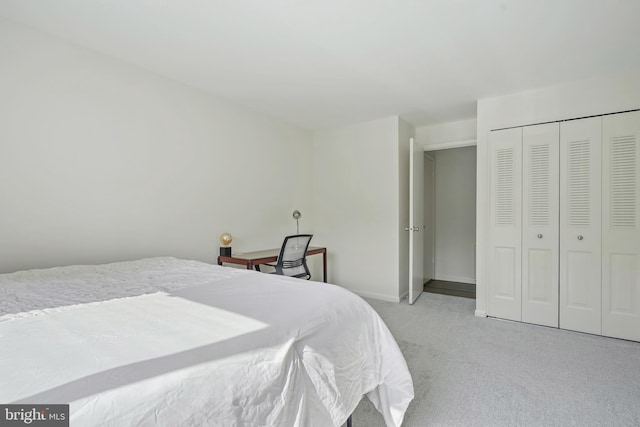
172,342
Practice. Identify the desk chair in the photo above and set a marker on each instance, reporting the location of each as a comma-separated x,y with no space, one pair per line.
292,260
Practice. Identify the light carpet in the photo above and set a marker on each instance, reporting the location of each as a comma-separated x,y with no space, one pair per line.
470,371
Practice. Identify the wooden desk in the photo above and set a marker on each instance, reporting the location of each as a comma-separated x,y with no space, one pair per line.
251,259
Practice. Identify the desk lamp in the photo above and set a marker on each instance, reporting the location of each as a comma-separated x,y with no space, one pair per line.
225,240
297,215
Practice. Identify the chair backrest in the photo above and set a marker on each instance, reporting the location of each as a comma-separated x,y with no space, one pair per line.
292,260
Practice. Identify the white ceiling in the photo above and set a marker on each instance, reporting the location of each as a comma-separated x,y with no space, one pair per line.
324,63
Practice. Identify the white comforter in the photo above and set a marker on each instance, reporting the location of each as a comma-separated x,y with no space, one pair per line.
170,342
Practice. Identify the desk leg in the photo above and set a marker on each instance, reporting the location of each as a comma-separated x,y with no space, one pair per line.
249,265
324,266
219,262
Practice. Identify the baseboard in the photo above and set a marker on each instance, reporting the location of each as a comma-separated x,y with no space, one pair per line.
480,313
374,295
459,279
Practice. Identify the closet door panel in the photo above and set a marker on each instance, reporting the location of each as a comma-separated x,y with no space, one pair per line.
621,226
580,225
540,234
505,242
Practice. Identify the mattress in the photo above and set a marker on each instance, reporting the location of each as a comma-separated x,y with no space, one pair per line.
166,342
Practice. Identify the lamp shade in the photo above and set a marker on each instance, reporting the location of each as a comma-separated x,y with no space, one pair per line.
225,239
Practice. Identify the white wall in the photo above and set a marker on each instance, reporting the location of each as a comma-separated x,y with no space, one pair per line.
455,219
571,100
103,161
356,208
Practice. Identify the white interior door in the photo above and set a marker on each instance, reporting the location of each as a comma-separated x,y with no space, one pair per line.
580,225
429,218
540,206
416,221
621,225
505,228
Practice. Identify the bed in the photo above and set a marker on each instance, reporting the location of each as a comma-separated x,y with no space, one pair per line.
165,341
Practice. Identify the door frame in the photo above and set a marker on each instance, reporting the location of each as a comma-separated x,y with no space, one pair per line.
416,219
430,227
452,144
445,146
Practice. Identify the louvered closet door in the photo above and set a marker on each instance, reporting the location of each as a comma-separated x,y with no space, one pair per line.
540,238
505,239
621,226
580,221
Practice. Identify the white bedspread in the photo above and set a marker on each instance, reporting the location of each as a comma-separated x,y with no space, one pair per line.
170,342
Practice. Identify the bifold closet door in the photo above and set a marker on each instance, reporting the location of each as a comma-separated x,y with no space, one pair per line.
505,229
540,235
621,226
580,225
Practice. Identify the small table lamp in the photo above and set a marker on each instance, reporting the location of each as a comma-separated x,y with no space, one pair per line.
225,240
297,215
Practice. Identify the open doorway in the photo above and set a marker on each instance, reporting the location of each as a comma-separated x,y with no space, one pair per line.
450,218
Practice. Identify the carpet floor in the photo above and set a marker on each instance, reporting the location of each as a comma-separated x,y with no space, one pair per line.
470,371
